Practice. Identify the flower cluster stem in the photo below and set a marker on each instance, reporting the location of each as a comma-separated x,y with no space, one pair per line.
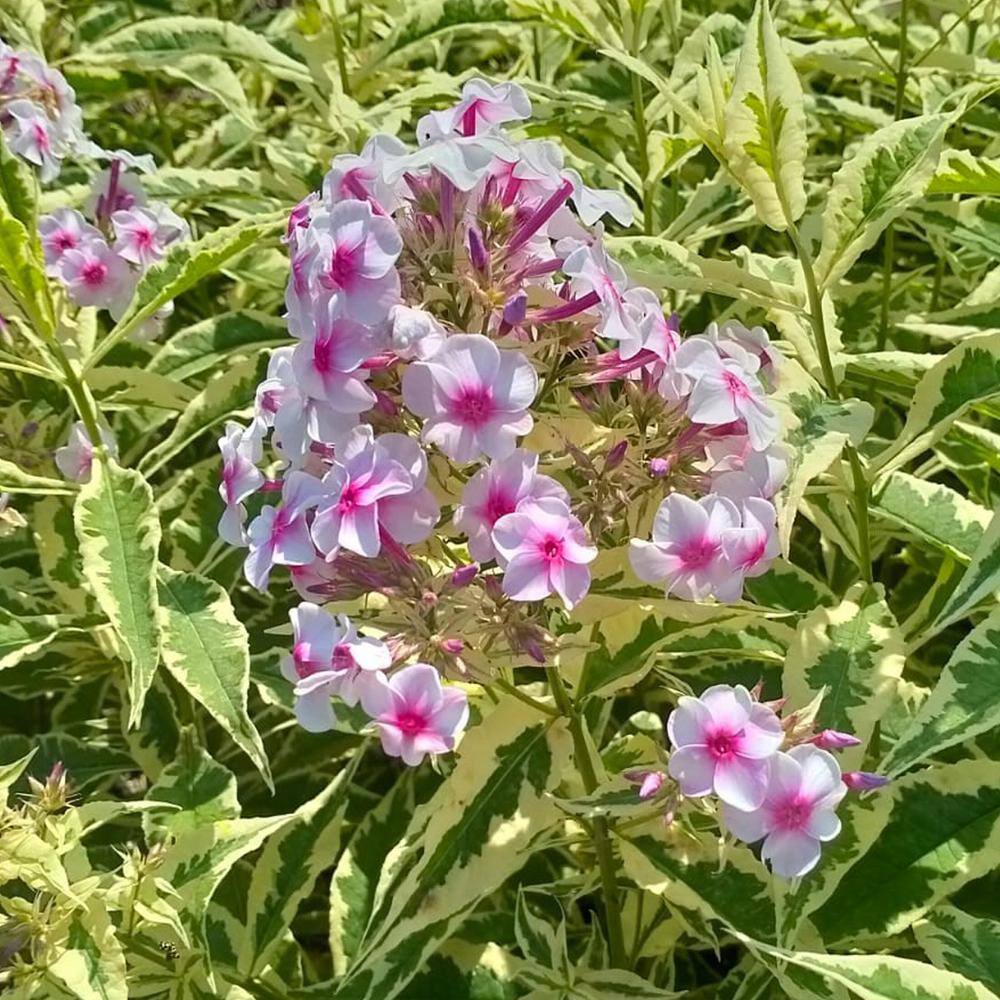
599,826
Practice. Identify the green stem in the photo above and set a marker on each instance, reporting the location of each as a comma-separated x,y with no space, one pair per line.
599,826
642,141
515,692
338,45
860,492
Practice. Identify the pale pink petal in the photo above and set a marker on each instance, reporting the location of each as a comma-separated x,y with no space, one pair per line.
371,654
569,580
742,783
314,712
820,771
728,706
823,824
359,531
650,562
411,518
679,519
527,578
792,853
294,547
688,723
418,685
516,381
762,734
376,695
746,826
694,770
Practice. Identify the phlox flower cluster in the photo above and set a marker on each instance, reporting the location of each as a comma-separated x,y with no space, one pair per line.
100,256
39,116
441,300
776,781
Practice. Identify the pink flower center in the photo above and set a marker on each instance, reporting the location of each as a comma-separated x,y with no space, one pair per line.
552,548
498,503
64,240
474,406
735,386
323,354
350,498
699,552
722,744
302,657
41,137
342,658
93,273
792,813
410,722
343,267
755,554
143,237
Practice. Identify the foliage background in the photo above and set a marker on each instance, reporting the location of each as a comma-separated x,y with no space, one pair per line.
243,105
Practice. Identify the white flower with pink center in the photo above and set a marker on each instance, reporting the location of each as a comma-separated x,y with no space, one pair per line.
749,550
753,341
414,714
331,347
544,549
95,275
279,536
593,271
143,233
685,553
726,390
723,743
489,105
496,490
75,458
409,517
239,477
360,177
62,230
32,136
328,658
415,333
363,474
473,396
739,473
797,813
354,253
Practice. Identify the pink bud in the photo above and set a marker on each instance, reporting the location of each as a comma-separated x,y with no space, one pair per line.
864,781
429,599
534,649
464,575
616,456
659,467
478,255
830,739
515,309
453,647
651,784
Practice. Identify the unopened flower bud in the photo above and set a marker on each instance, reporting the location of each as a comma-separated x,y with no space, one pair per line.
651,784
659,467
429,599
830,739
515,309
478,255
864,781
452,646
534,649
464,575
616,456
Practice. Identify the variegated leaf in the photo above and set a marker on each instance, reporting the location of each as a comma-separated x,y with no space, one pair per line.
980,579
91,964
959,942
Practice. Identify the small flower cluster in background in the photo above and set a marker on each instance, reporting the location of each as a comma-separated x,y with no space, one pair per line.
775,778
439,299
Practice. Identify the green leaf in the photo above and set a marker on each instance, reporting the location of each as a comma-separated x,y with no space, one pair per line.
125,388
23,22
968,374
854,653
91,963
184,265
21,636
540,928
162,40
477,830
223,396
943,831
889,172
960,172
932,513
17,187
119,535
202,789
87,763
961,943
287,870
979,581
16,480
206,648
209,344
58,548
21,266
11,773
765,125
964,703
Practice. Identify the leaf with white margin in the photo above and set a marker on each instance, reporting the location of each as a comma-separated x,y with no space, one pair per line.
854,653
889,172
943,831
980,579
765,125
959,942
90,964
960,172
119,535
964,703
968,374
479,828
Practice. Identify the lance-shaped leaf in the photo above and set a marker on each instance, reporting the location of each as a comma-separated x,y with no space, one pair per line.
476,831
17,187
58,548
889,172
206,647
540,929
685,871
853,652
184,265
968,374
90,965
943,831
980,579
765,125
10,773
21,266
21,636
287,869
956,941
964,703
932,513
960,172
352,888
119,535
881,977
13,479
